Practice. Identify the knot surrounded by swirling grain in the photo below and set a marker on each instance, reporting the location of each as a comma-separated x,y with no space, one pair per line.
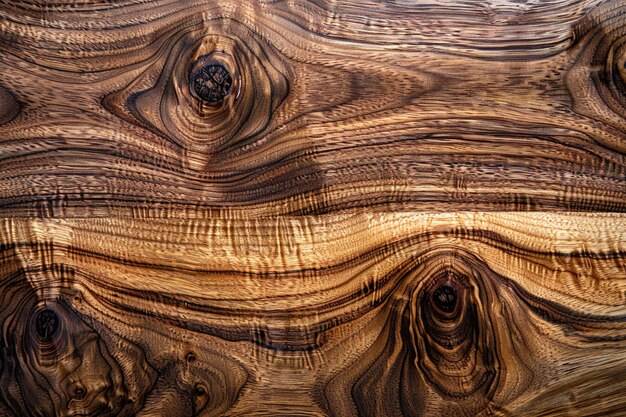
209,90
440,340
76,371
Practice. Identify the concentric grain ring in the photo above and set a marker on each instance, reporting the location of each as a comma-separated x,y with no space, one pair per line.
161,100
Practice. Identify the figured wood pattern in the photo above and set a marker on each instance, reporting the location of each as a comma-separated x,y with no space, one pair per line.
489,105
261,317
327,208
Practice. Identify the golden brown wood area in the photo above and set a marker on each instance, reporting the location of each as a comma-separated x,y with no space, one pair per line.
313,208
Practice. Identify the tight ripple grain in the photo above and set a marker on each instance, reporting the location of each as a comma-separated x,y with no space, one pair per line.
497,105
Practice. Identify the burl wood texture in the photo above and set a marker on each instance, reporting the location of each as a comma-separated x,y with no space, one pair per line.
313,208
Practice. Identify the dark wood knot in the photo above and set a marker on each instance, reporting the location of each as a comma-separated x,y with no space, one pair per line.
79,392
444,298
210,83
199,390
46,324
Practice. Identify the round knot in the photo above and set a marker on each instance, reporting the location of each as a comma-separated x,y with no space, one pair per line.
444,298
210,83
46,324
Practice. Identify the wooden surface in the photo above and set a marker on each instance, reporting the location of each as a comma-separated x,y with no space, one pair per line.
382,208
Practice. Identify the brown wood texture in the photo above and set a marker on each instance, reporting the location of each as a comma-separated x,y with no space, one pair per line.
313,208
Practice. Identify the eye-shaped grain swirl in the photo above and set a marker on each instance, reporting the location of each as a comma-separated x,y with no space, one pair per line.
55,363
459,337
162,100
451,333
56,358
441,341
598,77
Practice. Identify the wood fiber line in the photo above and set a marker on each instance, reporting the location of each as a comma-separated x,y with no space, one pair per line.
334,106
177,317
313,208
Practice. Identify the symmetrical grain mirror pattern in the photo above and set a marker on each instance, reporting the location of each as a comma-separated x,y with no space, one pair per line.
313,208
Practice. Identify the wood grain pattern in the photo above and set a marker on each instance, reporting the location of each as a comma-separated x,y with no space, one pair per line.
313,208
263,316
490,105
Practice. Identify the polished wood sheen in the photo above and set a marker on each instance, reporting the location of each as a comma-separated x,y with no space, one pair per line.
313,208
